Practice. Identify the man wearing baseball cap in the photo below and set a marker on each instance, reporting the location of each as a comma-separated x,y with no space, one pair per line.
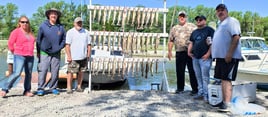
226,51
199,51
179,36
50,40
78,50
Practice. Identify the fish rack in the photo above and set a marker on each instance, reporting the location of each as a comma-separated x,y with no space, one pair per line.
130,42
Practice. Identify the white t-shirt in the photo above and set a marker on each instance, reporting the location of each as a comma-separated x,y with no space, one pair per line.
78,40
223,36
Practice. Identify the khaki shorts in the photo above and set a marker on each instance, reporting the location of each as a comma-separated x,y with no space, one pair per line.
77,65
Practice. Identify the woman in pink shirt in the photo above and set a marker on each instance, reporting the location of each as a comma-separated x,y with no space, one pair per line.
21,44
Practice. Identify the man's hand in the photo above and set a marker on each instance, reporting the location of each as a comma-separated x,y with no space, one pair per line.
169,55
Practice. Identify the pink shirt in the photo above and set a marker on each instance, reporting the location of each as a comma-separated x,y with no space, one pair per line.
20,43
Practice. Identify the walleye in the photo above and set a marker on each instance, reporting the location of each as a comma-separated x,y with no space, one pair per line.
134,12
124,65
128,15
97,66
92,68
109,66
147,68
138,17
157,41
124,44
94,38
140,26
103,40
124,17
119,40
133,67
114,15
119,62
113,67
109,41
147,42
137,66
109,14
152,17
143,39
152,41
104,16
156,17
138,43
99,15
119,17
134,43
151,67
94,13
129,41
142,67
104,63
156,65
99,40
148,16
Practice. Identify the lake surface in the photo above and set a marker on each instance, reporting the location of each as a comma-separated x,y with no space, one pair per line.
135,83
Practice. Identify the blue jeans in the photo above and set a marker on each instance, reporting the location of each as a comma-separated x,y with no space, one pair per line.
202,68
21,62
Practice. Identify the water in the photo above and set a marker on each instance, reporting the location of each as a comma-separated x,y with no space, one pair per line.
135,82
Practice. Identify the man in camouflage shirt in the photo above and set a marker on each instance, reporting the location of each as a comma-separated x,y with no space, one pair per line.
179,36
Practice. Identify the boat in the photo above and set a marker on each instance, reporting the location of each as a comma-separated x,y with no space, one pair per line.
254,63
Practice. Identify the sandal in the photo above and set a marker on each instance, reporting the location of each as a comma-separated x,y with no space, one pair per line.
28,94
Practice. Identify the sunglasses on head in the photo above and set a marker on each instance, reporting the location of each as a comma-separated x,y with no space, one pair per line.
24,22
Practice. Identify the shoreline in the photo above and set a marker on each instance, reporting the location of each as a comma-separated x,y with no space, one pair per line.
116,103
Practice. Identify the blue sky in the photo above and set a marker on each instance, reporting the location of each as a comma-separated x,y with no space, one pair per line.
29,7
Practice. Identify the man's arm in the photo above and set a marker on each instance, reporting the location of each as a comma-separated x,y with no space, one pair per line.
232,48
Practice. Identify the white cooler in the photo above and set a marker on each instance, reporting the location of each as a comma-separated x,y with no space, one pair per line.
240,88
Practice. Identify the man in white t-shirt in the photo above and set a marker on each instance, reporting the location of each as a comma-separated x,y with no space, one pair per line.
78,50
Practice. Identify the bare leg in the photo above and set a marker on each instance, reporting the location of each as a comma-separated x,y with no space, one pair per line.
227,90
69,81
80,79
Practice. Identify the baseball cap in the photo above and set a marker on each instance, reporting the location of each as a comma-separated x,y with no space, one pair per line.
221,6
182,13
78,19
200,17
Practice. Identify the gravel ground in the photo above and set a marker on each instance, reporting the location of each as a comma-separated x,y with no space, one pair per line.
115,103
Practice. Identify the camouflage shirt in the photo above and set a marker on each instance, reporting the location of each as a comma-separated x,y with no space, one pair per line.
180,36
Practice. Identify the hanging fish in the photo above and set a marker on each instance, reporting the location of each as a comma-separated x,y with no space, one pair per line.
151,67
156,17
94,38
99,15
119,62
129,40
97,66
109,14
124,16
147,42
128,15
157,41
152,17
138,43
94,13
138,18
146,69
143,39
137,66
156,65
104,16
133,67
99,40
109,41
119,39
144,13
113,41
119,17
124,45
124,65
134,12
142,67
129,65
134,43
103,40
109,66
148,16
113,67
104,63
114,15
152,41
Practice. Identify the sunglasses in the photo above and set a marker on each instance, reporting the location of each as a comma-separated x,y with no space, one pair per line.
24,22
198,20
